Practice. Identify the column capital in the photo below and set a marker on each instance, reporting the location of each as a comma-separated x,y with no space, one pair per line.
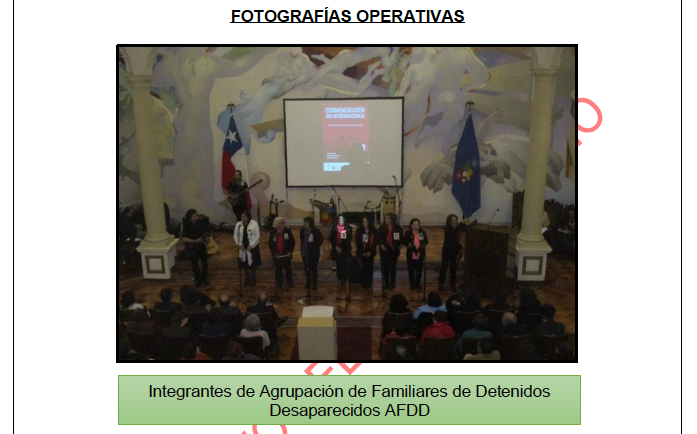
140,81
545,74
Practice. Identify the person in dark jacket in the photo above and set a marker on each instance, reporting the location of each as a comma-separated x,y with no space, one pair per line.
366,249
310,242
529,310
415,240
390,236
282,244
167,305
340,240
452,246
194,238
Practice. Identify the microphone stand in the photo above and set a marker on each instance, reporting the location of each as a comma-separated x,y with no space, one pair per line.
339,202
399,197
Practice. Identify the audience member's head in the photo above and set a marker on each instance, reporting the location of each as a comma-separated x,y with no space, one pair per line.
166,295
480,322
509,319
440,316
548,311
434,299
527,297
189,350
140,315
234,351
252,323
398,303
485,346
262,299
127,299
224,300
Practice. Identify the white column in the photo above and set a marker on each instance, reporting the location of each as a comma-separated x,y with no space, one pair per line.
531,247
158,250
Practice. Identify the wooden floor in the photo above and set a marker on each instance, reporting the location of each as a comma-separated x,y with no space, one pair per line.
366,307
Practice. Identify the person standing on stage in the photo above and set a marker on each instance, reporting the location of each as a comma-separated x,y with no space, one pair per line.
194,238
452,246
366,246
237,195
390,236
247,238
415,240
340,239
282,244
310,242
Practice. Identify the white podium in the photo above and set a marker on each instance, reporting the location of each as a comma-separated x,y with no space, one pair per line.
317,334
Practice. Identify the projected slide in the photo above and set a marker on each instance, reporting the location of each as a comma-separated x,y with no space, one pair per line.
356,142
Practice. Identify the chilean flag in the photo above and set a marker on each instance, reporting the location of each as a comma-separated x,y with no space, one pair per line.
233,143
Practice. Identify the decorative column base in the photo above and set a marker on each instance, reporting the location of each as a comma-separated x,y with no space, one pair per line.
158,258
531,260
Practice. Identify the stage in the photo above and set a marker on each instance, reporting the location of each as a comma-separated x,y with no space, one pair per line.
367,306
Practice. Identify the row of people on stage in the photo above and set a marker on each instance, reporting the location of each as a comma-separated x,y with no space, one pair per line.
388,240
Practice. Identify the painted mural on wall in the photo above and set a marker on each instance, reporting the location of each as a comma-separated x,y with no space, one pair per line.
197,89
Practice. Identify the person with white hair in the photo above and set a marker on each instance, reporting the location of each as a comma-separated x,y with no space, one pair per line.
282,244
247,237
252,328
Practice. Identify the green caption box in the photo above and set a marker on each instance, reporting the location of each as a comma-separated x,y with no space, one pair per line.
350,400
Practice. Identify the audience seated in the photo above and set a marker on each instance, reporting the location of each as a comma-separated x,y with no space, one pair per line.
471,336
549,327
252,328
440,329
400,332
509,326
468,301
178,328
192,351
191,297
434,304
399,315
399,352
565,351
263,305
216,326
141,324
227,307
235,352
166,304
128,301
529,309
485,351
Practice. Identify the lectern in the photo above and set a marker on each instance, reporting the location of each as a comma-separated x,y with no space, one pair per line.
486,253
317,334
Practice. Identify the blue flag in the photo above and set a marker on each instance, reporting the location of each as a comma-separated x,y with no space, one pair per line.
466,181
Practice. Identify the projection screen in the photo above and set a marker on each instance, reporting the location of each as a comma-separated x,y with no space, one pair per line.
343,142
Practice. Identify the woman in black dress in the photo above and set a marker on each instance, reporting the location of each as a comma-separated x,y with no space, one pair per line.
390,236
366,245
415,240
